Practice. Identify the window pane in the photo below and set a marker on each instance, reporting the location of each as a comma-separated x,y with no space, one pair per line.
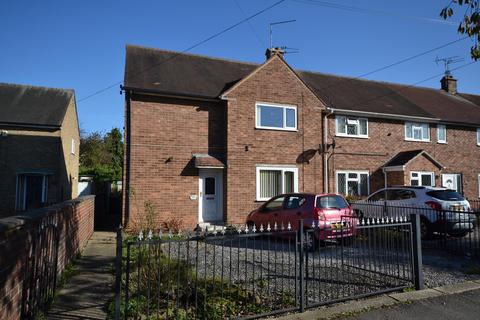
363,184
275,204
294,202
341,183
417,133
271,116
427,180
363,127
341,125
478,136
425,132
352,176
353,188
290,121
270,183
327,202
408,130
441,133
209,185
414,182
352,130
289,187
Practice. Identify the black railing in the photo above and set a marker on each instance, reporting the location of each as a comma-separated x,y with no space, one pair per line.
251,272
456,230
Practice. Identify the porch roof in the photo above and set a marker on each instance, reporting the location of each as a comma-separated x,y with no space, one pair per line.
206,161
401,159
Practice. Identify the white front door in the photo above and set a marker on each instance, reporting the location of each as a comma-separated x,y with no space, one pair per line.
210,204
451,181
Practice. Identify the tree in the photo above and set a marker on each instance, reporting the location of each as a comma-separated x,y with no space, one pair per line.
470,24
101,155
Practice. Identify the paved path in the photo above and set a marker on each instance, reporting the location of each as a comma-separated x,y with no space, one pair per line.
88,292
465,305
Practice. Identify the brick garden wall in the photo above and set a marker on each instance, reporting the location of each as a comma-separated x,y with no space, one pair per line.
75,226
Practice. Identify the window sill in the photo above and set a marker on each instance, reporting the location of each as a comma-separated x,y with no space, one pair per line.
441,142
412,140
348,136
276,129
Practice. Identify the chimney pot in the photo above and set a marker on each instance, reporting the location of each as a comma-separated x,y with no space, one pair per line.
274,51
449,84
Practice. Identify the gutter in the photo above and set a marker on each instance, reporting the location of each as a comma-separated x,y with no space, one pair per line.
28,125
168,94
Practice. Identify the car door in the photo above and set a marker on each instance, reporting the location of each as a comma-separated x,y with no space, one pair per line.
376,205
295,208
271,212
397,200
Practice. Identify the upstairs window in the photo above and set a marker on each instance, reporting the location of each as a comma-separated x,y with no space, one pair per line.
417,131
441,133
351,127
276,117
72,147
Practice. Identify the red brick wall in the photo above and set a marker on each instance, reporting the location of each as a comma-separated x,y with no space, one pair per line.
387,137
172,129
75,226
273,83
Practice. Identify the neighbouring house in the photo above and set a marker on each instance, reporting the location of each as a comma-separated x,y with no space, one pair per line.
39,147
208,139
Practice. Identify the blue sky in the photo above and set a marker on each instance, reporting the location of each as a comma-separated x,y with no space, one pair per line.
81,44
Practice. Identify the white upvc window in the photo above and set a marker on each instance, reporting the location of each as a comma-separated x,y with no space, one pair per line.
31,191
275,117
479,185
478,136
72,147
275,180
351,127
422,178
417,131
352,182
441,133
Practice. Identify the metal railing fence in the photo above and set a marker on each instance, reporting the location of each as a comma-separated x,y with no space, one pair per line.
251,272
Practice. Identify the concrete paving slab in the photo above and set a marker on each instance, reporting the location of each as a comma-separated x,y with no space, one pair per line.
458,287
415,295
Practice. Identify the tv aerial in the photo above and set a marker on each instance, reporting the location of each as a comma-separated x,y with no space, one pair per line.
284,48
447,61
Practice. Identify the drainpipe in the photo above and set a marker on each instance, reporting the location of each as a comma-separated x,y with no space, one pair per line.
325,154
384,176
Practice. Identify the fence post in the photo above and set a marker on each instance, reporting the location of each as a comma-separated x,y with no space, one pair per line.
118,273
417,251
301,273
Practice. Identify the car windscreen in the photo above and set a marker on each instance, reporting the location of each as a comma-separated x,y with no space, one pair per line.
446,195
331,202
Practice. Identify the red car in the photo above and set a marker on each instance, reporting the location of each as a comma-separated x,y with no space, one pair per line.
331,214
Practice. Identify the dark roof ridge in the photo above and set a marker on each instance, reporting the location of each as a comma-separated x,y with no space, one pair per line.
28,86
194,55
379,81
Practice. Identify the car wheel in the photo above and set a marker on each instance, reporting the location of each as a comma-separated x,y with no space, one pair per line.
459,234
425,229
311,241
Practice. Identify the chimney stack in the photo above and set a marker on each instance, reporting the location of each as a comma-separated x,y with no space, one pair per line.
449,84
274,51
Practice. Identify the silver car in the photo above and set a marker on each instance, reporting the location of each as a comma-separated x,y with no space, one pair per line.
440,209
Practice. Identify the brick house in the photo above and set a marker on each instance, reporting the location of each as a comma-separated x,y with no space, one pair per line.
208,140
39,147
